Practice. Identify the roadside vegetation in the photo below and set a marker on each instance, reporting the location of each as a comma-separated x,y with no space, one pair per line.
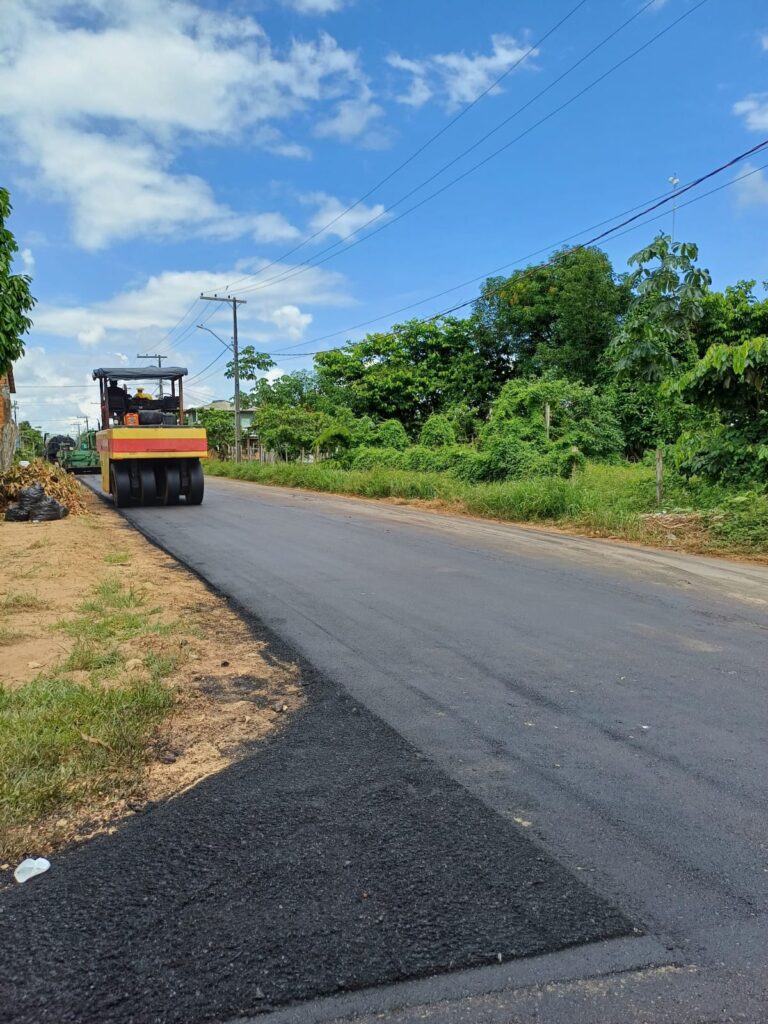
81,729
122,680
621,404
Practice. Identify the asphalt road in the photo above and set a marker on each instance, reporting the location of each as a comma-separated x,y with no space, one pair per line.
609,701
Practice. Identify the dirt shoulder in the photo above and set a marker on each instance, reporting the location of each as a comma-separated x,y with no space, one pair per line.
89,608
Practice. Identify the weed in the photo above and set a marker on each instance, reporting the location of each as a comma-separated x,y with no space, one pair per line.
117,558
22,602
9,636
85,657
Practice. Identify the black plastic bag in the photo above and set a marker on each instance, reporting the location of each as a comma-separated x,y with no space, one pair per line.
30,496
16,514
47,510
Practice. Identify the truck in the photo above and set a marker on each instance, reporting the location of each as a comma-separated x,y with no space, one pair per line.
81,456
147,454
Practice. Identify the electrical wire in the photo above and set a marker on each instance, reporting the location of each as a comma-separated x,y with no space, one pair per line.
425,145
314,261
645,208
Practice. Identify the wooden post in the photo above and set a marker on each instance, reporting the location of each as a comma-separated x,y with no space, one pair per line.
547,418
659,475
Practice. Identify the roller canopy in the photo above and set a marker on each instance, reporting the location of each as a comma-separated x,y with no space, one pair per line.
140,373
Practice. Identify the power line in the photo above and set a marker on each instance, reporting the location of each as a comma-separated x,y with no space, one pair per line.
425,145
313,262
645,208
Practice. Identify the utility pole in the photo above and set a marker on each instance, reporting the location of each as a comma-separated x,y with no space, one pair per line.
674,181
159,359
15,407
234,302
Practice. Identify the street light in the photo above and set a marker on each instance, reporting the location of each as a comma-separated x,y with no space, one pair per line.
237,388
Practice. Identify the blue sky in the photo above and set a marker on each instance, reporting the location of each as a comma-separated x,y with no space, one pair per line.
155,149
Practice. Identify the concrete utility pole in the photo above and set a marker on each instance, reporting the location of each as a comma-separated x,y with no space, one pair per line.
234,302
159,359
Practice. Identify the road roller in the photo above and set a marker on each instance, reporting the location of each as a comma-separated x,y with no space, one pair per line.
146,453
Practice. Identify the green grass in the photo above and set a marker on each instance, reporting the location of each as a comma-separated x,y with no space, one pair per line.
608,500
117,558
48,757
63,740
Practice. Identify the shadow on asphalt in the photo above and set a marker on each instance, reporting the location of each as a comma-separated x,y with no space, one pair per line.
333,857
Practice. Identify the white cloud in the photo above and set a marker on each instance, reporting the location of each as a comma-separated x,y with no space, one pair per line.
457,77
345,223
291,321
764,40
754,109
752,191
419,92
133,321
351,119
145,315
100,99
27,260
317,6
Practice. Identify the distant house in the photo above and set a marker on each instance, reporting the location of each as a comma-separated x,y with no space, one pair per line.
7,425
246,415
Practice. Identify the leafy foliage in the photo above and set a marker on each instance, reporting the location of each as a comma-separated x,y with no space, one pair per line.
16,301
668,288
220,427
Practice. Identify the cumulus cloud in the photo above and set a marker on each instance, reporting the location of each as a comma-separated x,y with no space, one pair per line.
100,100
146,314
754,110
27,260
332,217
458,77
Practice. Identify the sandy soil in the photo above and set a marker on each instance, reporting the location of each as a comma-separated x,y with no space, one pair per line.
228,693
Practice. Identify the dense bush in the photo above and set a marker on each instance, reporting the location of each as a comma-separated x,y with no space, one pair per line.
390,434
437,432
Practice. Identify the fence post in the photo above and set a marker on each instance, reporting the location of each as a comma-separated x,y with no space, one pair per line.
659,475
547,418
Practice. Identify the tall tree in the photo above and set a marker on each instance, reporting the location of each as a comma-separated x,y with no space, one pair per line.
560,317
669,289
15,303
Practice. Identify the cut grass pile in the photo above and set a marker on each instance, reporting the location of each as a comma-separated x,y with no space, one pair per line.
83,729
600,500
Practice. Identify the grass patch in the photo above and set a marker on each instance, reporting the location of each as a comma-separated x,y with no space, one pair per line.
63,742
601,499
9,636
117,558
22,602
86,657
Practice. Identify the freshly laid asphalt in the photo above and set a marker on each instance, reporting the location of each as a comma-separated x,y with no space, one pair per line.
333,857
607,706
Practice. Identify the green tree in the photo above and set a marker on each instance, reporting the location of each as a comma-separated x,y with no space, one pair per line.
251,364
656,337
730,382
289,431
220,427
560,317
31,442
16,301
